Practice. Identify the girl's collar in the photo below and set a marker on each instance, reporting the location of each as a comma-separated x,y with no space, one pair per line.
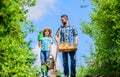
46,36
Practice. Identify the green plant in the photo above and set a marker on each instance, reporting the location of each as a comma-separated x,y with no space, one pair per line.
104,29
16,56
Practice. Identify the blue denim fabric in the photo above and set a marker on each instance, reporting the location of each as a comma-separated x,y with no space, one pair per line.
73,63
44,55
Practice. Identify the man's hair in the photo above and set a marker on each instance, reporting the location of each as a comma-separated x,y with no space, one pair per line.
64,15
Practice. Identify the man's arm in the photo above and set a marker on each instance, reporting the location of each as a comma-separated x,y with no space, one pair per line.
75,33
76,39
57,39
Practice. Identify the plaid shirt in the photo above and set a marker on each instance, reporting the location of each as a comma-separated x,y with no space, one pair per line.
67,33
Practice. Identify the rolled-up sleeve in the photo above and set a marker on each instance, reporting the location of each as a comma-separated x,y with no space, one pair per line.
75,32
58,32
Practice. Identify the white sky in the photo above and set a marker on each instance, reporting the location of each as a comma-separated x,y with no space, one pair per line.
41,8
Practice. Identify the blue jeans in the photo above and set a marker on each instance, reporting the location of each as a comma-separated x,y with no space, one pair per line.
73,63
44,55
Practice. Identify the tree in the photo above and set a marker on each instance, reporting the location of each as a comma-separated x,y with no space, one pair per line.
104,28
15,54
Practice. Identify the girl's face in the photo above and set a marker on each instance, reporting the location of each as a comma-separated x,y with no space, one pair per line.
47,33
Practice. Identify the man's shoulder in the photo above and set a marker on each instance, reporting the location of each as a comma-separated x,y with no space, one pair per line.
72,26
62,26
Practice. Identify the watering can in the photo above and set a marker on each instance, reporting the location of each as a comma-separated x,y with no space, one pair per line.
50,62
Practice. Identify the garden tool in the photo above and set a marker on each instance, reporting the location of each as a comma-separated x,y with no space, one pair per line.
50,62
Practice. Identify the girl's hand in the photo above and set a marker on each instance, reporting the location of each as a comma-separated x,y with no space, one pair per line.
50,53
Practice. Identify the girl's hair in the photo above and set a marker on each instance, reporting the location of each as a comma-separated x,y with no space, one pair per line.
49,33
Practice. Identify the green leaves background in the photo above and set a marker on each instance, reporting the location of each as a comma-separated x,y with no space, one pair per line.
104,29
16,56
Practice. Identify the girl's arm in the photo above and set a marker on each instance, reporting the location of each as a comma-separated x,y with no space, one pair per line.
38,43
50,48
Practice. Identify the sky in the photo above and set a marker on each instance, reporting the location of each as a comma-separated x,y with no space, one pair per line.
47,13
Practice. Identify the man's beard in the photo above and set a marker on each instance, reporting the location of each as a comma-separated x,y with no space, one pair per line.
64,23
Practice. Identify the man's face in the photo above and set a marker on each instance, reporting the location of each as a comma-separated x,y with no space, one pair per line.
64,20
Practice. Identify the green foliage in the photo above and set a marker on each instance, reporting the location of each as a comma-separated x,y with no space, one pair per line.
104,28
44,68
16,57
81,71
59,73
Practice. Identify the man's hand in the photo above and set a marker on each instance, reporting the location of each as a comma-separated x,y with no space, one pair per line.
58,43
76,43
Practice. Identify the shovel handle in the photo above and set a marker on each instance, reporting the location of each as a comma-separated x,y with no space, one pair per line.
56,58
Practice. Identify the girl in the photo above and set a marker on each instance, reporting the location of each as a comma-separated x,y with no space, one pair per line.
45,45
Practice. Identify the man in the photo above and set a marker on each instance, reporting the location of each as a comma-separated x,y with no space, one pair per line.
67,33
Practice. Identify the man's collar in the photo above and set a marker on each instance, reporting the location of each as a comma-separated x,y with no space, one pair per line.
67,26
